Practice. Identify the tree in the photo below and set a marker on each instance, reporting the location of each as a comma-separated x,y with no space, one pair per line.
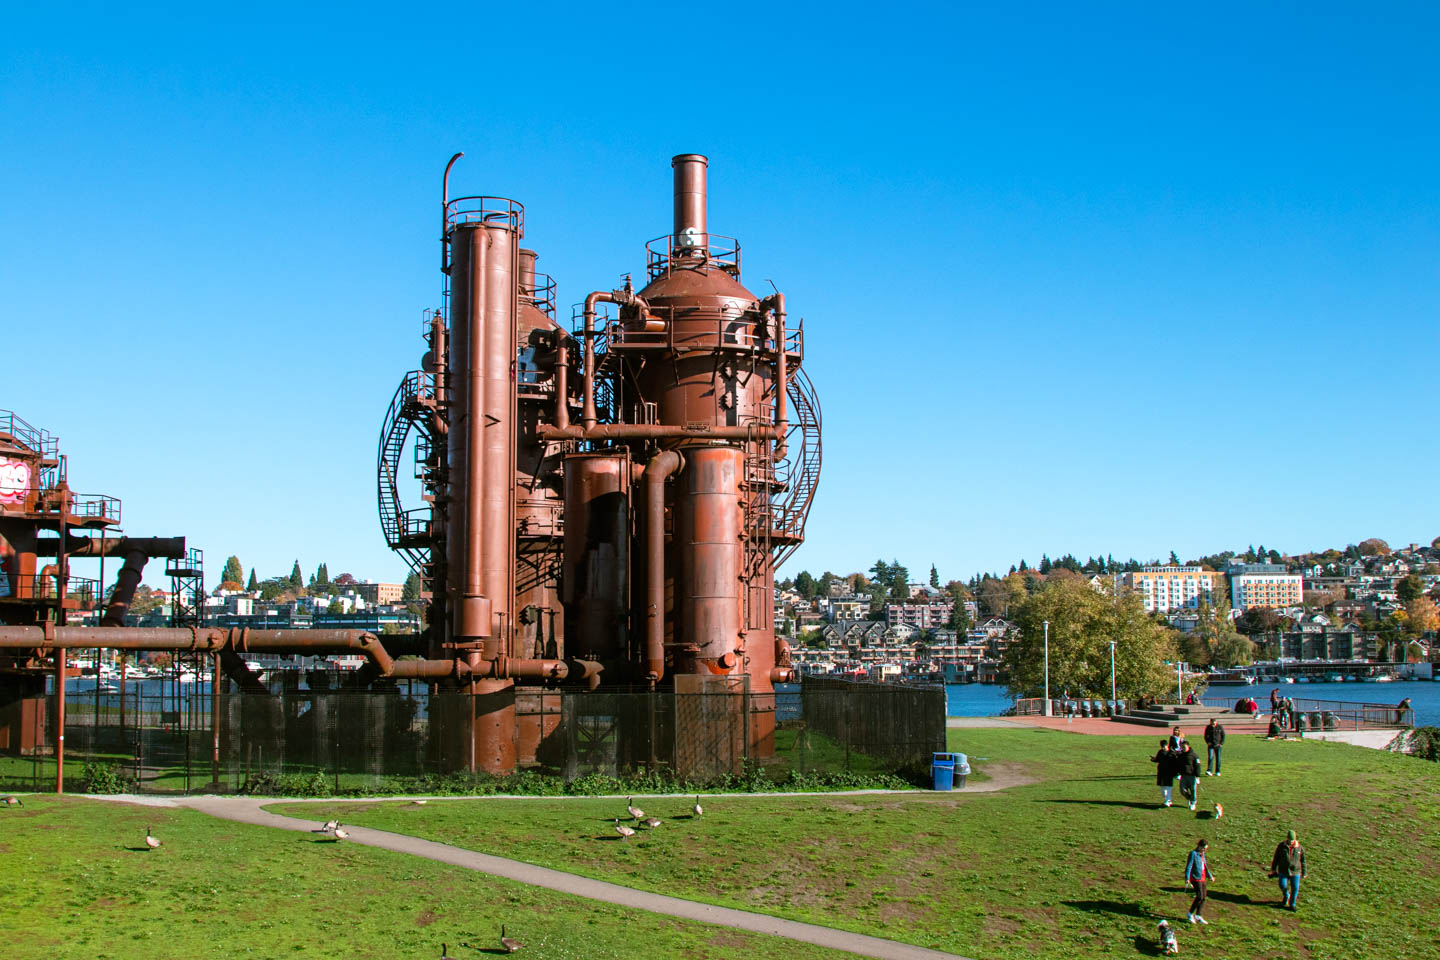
899,581
1423,616
297,579
252,585
959,618
1215,641
335,606
1082,624
822,586
1174,559
1258,620
1374,547
934,577
805,584
231,586
1409,588
345,580
411,590
1275,557
881,570
233,571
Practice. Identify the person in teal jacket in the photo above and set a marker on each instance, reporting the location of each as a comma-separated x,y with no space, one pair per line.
1198,875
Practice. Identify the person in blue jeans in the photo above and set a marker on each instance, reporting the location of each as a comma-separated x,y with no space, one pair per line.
1214,740
1288,866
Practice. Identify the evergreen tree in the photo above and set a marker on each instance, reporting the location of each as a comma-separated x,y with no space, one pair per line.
1023,568
1045,566
409,592
297,579
322,576
805,584
934,577
1174,559
899,581
1100,565
253,584
233,572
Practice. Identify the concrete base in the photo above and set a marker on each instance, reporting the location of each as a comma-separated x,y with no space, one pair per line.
1376,739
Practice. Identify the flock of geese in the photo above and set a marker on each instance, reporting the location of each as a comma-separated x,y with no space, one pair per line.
637,816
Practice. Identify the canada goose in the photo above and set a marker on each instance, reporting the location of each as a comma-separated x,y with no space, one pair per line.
508,944
625,832
340,833
150,841
329,827
652,822
697,809
419,803
445,952
11,801
635,812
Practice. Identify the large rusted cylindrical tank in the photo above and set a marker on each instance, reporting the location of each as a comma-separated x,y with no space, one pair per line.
596,580
709,556
481,436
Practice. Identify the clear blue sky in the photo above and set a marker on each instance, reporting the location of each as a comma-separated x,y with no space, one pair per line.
1117,280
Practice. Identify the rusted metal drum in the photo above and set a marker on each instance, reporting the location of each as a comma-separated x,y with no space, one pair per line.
596,579
709,515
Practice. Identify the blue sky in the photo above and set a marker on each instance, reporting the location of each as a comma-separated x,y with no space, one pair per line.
1124,280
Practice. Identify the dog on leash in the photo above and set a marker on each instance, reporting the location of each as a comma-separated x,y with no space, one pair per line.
1168,944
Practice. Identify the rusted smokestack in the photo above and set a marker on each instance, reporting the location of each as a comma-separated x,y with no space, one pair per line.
690,229
527,274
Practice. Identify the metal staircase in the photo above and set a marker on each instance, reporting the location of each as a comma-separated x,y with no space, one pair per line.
799,473
407,532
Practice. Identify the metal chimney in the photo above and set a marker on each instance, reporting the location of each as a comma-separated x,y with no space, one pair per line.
690,228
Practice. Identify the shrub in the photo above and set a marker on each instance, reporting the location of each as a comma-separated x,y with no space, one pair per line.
101,777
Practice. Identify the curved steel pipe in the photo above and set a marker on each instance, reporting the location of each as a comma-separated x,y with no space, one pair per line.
131,572
587,414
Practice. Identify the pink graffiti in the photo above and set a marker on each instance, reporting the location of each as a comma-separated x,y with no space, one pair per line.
14,480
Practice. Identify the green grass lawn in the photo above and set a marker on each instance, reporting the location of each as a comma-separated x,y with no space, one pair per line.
77,882
1080,863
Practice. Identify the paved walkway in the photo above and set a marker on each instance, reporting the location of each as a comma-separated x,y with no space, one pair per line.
248,810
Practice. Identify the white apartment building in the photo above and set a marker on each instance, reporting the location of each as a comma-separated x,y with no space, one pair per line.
1264,585
1163,589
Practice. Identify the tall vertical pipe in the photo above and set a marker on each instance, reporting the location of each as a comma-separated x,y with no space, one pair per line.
60,655
660,467
690,198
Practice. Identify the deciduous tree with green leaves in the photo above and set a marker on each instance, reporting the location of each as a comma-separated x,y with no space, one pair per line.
233,571
1082,624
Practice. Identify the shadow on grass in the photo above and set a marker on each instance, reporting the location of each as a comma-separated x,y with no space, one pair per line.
1134,805
1118,907
1147,947
1136,778
138,849
1222,896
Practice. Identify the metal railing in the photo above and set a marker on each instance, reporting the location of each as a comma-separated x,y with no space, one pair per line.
664,254
46,586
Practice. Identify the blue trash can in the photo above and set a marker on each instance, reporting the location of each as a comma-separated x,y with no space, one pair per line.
942,772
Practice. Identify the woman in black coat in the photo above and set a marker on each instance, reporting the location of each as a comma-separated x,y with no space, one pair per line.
1165,765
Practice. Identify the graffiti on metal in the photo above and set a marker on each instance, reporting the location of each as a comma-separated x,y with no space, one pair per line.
14,480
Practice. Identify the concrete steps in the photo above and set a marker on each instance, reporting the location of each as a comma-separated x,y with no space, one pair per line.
1189,716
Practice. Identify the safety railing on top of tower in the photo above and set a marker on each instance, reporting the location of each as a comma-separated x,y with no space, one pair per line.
80,593
95,506
33,438
733,333
542,294
667,253
500,211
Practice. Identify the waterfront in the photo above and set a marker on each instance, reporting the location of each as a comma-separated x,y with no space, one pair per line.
988,700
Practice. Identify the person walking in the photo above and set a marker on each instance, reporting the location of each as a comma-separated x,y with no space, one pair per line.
1288,866
1214,740
1164,761
1198,875
1274,700
1188,763
1177,737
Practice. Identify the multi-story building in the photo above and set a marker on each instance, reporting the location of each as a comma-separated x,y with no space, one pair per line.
378,593
1163,589
925,616
1264,585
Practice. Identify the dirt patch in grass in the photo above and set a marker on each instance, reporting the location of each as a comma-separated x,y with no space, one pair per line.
425,918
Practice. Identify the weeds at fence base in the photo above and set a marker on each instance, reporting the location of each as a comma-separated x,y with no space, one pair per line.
105,778
528,784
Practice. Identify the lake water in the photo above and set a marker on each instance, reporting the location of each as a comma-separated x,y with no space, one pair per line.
988,700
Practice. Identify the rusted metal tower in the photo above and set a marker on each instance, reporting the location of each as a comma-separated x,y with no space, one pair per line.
607,505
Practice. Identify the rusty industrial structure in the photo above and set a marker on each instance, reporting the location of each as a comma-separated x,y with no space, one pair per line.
604,506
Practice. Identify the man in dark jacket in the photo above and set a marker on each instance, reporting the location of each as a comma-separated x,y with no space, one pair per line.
1288,866
1164,761
1214,740
1189,764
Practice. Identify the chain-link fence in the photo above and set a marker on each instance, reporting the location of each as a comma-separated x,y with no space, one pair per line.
331,740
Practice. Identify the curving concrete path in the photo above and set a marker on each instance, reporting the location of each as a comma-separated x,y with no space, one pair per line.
248,810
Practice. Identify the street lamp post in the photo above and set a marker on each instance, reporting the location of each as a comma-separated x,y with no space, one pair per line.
1047,668
1112,676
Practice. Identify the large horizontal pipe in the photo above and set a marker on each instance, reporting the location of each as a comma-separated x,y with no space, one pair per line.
307,642
172,547
499,668
658,431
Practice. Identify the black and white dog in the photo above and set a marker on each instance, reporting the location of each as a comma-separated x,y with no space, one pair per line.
1168,944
